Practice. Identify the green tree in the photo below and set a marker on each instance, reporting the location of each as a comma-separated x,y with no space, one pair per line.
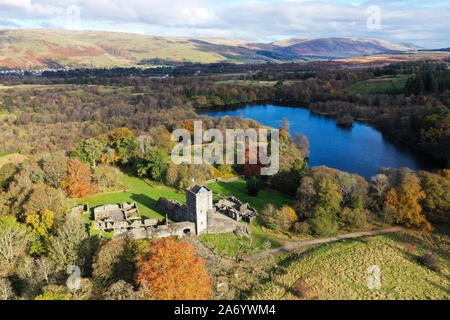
89,151
126,148
253,185
154,165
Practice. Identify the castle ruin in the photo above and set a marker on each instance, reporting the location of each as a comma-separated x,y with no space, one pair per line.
198,217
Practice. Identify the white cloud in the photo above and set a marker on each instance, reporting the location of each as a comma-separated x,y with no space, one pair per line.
423,22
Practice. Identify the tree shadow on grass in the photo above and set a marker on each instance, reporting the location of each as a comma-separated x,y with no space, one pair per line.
147,201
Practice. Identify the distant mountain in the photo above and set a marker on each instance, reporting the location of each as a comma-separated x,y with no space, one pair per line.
54,48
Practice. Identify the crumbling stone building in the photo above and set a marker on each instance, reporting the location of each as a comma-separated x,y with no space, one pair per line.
233,208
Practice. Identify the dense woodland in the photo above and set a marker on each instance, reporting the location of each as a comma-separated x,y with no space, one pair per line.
81,130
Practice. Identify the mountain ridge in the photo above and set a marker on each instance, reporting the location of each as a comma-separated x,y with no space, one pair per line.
57,48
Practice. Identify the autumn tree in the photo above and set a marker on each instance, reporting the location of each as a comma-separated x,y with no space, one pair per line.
42,225
325,213
126,149
43,197
121,133
252,166
113,262
436,205
171,270
79,182
54,166
278,219
404,201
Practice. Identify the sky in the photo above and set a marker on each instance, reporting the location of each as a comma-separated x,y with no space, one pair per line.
425,23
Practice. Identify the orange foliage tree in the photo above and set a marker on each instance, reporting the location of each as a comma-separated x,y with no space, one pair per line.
404,201
189,125
121,133
78,183
171,270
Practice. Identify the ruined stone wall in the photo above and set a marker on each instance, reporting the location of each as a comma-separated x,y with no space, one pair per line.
218,223
175,211
179,229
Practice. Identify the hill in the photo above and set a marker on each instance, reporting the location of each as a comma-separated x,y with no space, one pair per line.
52,48
340,270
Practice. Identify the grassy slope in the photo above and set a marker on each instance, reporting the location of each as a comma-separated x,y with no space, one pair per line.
339,270
30,48
56,48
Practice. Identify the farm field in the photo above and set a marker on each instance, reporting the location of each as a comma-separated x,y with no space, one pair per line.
381,85
339,270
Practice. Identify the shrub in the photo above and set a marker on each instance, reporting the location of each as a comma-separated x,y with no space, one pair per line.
302,228
367,240
409,248
430,261
323,224
355,218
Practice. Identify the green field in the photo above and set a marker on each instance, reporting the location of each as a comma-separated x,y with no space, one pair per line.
381,85
339,270
252,83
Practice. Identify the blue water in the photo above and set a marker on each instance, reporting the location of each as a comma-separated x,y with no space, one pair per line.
360,149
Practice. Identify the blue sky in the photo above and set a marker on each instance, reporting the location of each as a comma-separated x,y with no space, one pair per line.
425,23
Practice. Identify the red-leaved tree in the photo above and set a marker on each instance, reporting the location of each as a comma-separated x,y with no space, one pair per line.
78,183
171,270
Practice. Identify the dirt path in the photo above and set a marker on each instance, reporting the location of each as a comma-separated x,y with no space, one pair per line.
292,245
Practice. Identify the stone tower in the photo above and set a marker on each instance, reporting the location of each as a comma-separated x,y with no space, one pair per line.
199,203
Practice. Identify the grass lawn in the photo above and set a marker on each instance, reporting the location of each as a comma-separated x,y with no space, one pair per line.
238,189
140,192
339,270
228,243
381,85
